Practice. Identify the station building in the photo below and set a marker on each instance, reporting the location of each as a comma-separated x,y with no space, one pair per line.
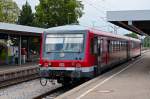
19,44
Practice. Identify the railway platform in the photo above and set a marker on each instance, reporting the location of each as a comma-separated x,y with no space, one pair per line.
11,74
7,68
129,81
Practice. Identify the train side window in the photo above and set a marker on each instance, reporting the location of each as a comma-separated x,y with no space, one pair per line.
110,46
132,45
101,47
122,45
119,45
113,46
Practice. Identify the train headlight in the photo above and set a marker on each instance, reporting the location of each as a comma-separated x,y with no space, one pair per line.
49,64
40,65
45,64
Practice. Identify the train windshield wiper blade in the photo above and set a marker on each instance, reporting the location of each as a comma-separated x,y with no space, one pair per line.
48,52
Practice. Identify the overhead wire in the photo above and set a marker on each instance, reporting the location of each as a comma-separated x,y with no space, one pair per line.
103,12
103,18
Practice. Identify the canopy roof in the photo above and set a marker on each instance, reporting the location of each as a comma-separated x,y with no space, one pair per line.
20,29
134,20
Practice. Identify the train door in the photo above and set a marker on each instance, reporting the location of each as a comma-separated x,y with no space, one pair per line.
100,54
98,48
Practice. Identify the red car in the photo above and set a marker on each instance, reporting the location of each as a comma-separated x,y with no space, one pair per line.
73,52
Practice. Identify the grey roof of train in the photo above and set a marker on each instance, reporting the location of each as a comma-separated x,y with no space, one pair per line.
20,28
72,28
67,28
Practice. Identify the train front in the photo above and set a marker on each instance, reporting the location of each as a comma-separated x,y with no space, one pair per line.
63,56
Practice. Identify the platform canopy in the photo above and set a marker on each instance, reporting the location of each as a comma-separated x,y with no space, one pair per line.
7,28
137,21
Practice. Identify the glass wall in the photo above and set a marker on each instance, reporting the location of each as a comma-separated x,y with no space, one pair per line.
3,49
9,49
34,48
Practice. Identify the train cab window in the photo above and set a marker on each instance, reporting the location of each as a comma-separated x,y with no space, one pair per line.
64,43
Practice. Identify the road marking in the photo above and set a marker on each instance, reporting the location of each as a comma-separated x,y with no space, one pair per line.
107,79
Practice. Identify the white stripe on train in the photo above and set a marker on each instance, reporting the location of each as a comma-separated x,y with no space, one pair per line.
83,69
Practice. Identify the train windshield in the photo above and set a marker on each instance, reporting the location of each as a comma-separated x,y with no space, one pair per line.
64,43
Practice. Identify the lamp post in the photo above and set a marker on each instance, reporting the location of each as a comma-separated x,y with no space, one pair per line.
68,17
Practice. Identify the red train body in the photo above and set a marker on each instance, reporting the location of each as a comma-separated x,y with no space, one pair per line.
75,52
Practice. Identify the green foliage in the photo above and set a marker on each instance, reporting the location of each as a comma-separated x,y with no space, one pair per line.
1,12
3,54
146,42
51,13
26,15
133,35
9,11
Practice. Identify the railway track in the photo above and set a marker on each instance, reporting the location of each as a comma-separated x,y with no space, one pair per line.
56,92
17,80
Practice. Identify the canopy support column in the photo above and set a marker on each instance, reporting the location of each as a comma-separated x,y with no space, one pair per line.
20,50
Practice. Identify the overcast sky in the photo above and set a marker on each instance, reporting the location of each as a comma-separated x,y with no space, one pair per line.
95,10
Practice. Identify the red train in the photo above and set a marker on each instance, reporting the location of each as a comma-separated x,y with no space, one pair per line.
74,52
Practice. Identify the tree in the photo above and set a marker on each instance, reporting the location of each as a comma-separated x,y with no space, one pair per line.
26,15
9,11
51,13
146,42
133,35
1,12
